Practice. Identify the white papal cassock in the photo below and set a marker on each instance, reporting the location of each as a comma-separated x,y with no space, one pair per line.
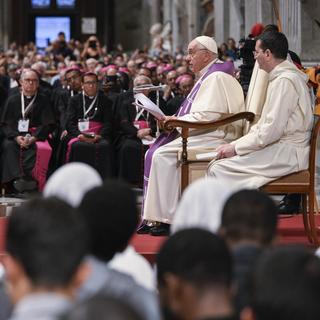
279,143
219,94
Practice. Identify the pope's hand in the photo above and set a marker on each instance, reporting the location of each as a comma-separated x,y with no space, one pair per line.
225,151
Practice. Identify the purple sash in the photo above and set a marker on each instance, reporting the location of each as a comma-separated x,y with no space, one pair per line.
94,127
164,138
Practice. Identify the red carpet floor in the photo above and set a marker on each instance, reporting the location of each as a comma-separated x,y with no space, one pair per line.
290,230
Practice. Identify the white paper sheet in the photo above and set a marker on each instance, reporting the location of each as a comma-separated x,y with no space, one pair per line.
144,102
148,142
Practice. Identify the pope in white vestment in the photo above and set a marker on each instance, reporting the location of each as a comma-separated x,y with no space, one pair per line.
219,94
278,144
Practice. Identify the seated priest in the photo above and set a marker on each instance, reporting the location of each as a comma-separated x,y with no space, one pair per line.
134,129
89,127
27,121
279,143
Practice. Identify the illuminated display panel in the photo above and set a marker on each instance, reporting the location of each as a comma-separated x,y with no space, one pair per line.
66,3
47,29
40,3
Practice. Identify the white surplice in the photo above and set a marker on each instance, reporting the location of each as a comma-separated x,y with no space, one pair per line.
279,143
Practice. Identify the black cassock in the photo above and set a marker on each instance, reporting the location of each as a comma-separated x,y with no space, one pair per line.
129,148
100,154
18,162
60,100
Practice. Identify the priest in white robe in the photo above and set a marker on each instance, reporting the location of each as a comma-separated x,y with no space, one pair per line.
278,144
216,93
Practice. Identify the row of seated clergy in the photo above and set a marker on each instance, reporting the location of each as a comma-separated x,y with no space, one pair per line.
28,119
89,133
120,124
120,127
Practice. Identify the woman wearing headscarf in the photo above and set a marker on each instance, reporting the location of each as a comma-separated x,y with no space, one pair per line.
201,205
70,183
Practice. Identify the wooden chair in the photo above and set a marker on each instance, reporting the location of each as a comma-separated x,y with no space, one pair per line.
302,182
186,159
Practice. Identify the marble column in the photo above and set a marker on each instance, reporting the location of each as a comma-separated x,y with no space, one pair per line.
5,9
236,19
221,20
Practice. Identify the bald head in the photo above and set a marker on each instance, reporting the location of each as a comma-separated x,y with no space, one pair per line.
141,80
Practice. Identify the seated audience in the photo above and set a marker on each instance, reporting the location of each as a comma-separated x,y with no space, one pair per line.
194,271
46,242
201,205
100,307
71,182
117,200
285,286
111,216
249,225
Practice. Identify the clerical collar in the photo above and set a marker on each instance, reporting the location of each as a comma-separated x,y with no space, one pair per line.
28,97
90,97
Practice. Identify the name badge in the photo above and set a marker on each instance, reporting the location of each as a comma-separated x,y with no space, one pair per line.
23,125
141,124
83,125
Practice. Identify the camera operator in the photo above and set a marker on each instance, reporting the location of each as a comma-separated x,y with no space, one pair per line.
246,48
92,49
60,48
111,85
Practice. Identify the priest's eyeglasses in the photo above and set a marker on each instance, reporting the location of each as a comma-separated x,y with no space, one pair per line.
192,54
255,52
72,78
30,81
90,83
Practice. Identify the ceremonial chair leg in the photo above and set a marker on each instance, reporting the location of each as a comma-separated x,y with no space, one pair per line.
306,218
312,222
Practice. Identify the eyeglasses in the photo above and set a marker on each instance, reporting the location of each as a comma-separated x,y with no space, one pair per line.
92,83
192,54
74,77
255,52
31,81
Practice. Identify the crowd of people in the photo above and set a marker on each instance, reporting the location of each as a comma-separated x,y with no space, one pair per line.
85,113
68,256
84,143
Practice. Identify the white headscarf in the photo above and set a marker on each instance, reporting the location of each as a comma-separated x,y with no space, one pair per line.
71,182
201,205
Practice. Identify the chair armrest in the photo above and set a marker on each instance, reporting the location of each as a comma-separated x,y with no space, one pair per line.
175,123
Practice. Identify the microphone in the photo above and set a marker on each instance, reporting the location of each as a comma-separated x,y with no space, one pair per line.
149,87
